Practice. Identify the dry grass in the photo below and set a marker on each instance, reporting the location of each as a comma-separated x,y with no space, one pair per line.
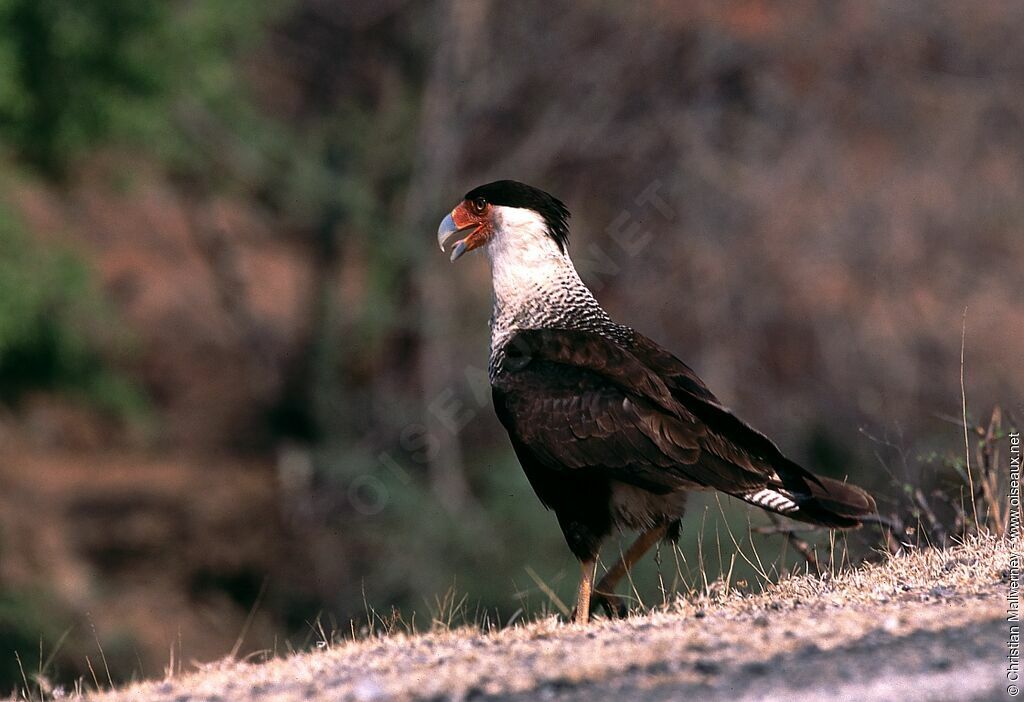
706,629
692,641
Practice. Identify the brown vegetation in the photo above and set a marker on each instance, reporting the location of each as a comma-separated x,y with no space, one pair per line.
872,633
835,184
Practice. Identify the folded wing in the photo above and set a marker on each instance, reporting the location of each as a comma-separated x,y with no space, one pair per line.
578,401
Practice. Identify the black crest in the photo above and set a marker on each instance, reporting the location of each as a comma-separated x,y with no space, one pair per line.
511,193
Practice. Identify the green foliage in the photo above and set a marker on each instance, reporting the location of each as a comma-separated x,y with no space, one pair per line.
77,75
43,642
27,622
50,318
480,551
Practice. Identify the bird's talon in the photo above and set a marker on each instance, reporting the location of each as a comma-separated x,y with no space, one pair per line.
612,605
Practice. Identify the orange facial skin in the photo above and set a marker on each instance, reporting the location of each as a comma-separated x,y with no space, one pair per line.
474,216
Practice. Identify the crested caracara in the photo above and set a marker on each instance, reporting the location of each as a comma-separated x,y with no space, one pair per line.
611,429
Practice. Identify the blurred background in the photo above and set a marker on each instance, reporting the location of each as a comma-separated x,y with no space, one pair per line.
242,395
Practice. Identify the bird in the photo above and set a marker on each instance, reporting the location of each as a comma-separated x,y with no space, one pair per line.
612,431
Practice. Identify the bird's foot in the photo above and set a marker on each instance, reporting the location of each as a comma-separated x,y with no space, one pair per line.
613,605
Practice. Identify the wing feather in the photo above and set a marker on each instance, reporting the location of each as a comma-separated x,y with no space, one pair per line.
578,401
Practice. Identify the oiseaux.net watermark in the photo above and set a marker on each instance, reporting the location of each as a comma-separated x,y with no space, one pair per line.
1013,671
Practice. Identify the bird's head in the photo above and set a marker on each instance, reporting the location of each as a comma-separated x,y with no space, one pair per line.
506,215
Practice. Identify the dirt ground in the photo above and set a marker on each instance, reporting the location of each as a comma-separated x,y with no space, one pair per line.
926,625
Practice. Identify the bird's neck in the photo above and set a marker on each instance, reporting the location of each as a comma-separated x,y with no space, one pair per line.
539,288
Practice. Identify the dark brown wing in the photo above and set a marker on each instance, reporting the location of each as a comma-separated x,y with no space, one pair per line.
733,439
576,400
673,372
791,489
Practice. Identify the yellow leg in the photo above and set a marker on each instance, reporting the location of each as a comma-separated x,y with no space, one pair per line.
605,591
585,591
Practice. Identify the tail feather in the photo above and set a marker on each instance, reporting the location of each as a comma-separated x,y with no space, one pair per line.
824,501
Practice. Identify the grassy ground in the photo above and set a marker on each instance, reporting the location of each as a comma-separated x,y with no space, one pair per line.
925,624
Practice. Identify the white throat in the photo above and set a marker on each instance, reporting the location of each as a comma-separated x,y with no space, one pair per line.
525,261
535,283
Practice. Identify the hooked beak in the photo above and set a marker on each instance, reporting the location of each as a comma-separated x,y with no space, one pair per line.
458,221
446,232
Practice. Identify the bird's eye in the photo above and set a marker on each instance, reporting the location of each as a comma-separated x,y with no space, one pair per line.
479,205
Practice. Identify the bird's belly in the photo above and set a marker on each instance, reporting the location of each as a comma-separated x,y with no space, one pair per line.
635,508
